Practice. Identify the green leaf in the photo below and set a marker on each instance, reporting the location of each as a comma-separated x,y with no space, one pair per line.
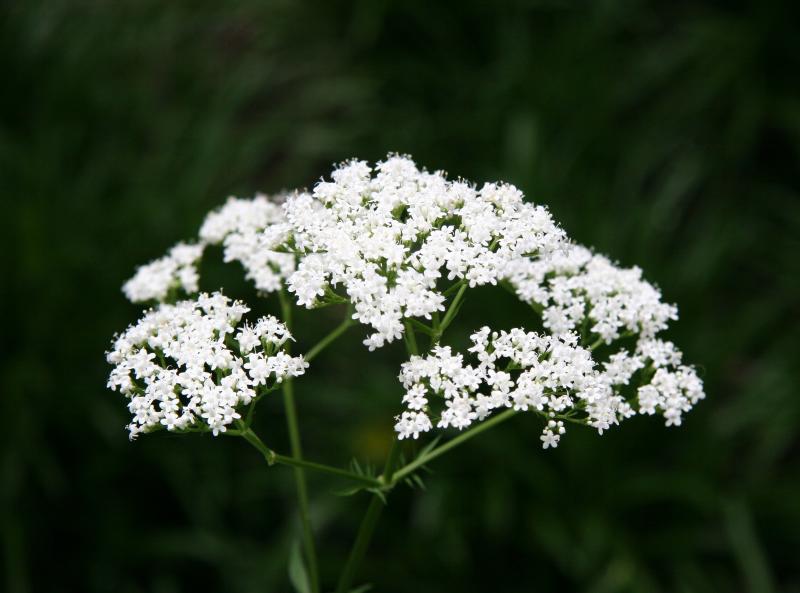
355,466
361,588
379,493
429,447
349,491
298,575
414,481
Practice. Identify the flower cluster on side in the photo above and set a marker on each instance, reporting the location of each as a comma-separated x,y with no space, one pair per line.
246,228
192,364
387,236
157,280
549,374
250,231
575,286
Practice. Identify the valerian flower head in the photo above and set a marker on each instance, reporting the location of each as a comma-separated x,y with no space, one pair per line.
192,365
394,241
247,229
385,237
250,232
574,286
548,374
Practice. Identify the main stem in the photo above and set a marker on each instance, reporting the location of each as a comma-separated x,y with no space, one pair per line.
272,457
378,501
297,453
380,486
389,476
368,523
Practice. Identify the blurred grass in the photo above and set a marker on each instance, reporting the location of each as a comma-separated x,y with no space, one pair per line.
667,135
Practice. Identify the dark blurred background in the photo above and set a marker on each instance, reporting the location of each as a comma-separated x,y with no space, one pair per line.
664,134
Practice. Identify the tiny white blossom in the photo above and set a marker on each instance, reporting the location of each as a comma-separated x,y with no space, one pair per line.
551,434
411,424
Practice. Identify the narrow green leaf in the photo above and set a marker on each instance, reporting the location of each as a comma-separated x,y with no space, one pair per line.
430,446
348,491
379,493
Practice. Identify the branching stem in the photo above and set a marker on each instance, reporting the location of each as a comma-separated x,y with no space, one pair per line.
272,458
410,338
449,315
368,523
451,444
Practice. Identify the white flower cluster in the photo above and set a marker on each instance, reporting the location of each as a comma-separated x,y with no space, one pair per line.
246,228
249,230
673,388
550,374
575,285
187,365
392,240
388,236
156,280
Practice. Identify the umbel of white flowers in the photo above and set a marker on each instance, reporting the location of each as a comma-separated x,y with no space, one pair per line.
550,374
386,239
187,363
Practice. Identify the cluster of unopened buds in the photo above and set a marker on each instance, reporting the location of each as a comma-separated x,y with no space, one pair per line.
403,246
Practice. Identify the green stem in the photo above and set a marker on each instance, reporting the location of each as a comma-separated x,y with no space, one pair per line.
272,458
597,343
297,454
456,286
247,433
410,338
335,333
451,311
367,528
449,314
389,477
418,325
328,469
577,421
320,467
359,549
441,450
248,419
378,501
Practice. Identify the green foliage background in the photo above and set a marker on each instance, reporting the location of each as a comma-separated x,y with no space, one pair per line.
665,134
